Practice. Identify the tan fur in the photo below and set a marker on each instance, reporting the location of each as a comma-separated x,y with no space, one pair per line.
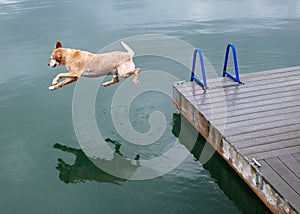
82,63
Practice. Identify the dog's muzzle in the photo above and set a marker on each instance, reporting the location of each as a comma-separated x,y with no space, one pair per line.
53,63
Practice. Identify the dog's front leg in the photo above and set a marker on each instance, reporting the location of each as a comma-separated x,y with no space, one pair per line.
59,76
63,83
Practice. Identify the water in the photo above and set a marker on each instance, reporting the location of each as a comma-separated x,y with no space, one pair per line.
42,167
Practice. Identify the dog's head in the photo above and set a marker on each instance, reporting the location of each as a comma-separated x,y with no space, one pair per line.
57,56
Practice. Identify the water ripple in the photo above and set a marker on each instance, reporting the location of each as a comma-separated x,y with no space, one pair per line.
9,8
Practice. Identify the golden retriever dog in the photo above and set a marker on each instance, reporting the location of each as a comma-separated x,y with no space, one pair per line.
82,63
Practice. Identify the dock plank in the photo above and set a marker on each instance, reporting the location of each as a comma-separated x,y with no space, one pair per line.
259,120
297,156
254,128
269,147
292,163
294,135
265,132
285,173
243,123
258,117
274,153
224,113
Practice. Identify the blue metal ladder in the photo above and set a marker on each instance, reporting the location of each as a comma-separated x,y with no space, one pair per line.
203,83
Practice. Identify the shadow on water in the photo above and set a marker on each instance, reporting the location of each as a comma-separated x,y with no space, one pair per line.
226,178
83,169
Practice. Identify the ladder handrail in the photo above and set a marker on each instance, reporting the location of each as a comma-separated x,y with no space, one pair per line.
225,72
193,77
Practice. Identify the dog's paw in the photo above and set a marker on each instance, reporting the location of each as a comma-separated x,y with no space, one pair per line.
54,82
105,84
136,81
51,88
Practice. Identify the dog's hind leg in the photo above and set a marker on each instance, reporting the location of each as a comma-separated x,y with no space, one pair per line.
136,74
113,81
127,69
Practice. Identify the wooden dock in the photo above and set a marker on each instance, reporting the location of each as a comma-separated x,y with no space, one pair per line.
255,127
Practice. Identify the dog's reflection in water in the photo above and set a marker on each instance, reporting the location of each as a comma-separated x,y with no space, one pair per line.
83,169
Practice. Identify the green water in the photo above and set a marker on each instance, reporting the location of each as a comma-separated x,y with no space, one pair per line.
42,166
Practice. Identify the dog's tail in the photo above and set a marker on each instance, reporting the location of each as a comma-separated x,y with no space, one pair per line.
130,51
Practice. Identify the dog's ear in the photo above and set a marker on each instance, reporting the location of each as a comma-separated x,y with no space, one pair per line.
58,56
58,44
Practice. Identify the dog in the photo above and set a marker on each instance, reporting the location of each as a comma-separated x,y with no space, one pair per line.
82,63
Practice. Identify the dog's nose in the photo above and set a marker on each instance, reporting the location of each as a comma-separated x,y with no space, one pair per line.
48,64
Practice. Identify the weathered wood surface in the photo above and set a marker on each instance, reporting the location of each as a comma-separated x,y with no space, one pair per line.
260,119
